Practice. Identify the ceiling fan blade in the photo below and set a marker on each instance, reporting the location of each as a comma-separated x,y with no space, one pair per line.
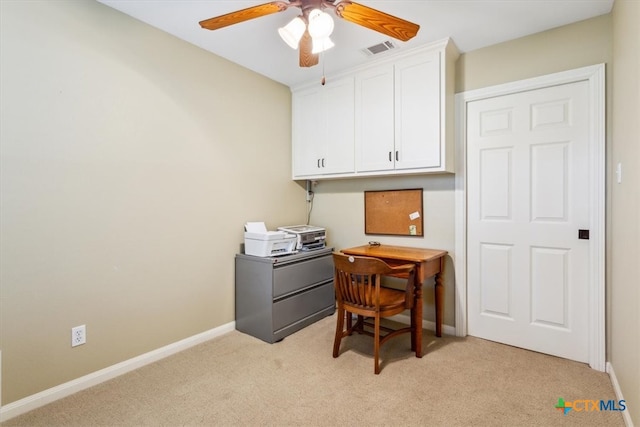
376,20
307,59
243,15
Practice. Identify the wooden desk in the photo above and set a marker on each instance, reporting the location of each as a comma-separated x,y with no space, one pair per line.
429,262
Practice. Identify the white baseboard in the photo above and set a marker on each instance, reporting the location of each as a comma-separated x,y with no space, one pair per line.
42,398
616,387
431,326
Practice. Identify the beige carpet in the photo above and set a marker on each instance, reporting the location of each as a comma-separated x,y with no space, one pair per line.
238,380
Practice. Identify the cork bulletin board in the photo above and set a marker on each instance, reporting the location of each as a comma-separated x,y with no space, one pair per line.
395,212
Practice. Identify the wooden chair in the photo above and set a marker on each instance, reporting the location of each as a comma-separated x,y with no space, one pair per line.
358,291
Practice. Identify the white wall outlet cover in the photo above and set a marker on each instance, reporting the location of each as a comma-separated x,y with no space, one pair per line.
78,335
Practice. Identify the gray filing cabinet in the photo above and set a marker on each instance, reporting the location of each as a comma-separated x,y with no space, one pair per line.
277,296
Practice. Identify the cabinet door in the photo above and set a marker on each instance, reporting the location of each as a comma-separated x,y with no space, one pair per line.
308,131
339,127
323,129
417,113
374,119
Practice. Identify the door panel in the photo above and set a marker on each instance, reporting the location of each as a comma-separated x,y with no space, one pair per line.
495,184
549,180
549,285
495,278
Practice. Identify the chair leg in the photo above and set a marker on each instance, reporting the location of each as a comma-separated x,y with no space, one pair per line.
360,324
376,345
339,329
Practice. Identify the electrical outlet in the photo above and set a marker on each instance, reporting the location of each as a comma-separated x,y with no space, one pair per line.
78,335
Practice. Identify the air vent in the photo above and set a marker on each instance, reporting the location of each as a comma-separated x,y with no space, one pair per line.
379,48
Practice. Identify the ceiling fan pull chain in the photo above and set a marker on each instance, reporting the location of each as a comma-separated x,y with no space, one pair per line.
323,80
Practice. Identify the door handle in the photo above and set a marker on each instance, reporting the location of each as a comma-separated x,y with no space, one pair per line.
396,156
390,156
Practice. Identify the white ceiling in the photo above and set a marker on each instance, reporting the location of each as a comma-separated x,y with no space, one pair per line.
255,44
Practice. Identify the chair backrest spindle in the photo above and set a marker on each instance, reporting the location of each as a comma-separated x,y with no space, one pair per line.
358,280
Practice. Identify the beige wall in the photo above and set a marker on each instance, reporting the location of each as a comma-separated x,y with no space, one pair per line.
624,258
572,46
130,162
339,206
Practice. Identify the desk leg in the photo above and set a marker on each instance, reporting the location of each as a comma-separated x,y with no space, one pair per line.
439,295
417,319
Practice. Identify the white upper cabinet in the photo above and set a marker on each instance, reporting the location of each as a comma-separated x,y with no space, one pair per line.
417,112
400,122
307,137
374,119
398,115
323,129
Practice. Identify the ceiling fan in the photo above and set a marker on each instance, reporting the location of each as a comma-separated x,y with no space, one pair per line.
310,31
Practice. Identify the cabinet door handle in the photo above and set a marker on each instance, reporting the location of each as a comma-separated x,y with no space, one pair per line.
323,162
396,156
318,163
390,156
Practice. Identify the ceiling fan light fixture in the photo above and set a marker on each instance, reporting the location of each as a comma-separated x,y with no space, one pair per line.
320,24
292,32
320,44
309,32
